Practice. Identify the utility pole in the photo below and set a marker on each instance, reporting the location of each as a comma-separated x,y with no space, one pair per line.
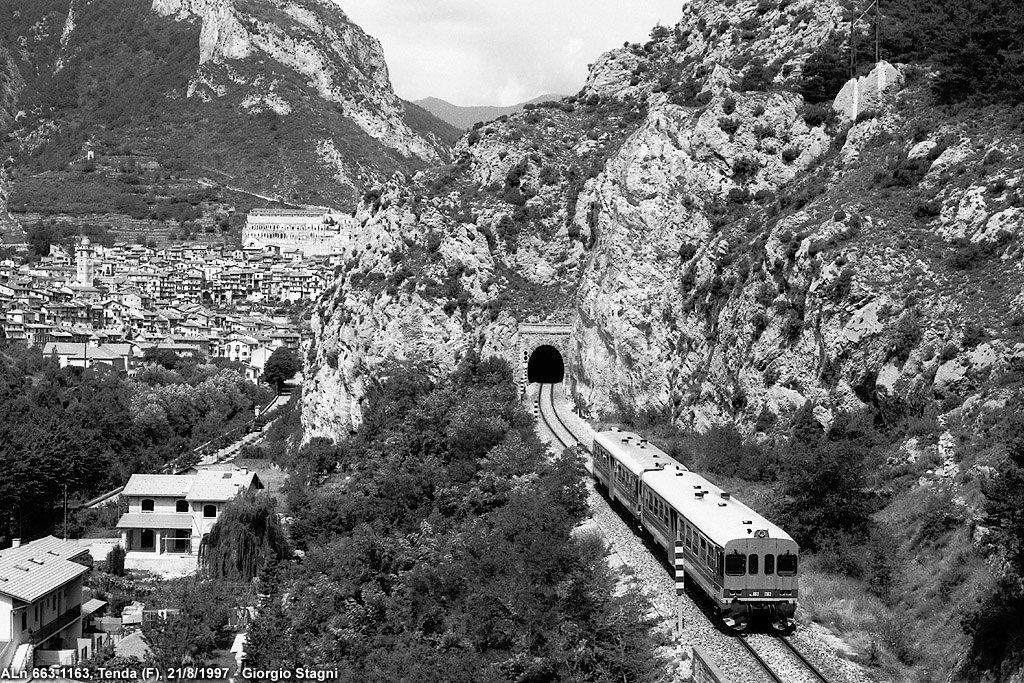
852,20
65,512
877,24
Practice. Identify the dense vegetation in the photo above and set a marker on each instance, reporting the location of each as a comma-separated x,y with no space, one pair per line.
437,548
91,429
976,47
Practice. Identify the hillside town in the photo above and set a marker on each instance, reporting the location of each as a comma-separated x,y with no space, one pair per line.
108,305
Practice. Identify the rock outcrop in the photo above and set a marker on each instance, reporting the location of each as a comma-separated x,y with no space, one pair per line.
867,93
315,40
727,252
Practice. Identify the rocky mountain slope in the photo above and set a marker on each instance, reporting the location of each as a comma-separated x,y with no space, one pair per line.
732,238
285,99
724,247
464,117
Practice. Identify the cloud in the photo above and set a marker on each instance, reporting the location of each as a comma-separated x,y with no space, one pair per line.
471,52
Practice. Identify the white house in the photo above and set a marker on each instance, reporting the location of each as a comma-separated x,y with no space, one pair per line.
41,604
170,514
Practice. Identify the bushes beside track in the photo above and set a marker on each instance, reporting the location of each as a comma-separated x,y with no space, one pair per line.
437,547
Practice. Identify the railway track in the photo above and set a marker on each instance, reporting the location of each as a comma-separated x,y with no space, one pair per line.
780,660
562,433
775,656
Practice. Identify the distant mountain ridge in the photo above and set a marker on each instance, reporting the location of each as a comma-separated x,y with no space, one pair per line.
465,117
290,100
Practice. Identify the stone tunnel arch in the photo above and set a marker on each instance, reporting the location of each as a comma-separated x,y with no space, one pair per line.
545,365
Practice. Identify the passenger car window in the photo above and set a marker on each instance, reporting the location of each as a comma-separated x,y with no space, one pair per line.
769,564
752,564
786,565
735,565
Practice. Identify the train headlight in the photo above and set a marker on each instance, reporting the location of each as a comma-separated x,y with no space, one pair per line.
785,594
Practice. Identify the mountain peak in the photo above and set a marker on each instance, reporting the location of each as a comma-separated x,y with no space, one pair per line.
316,41
464,117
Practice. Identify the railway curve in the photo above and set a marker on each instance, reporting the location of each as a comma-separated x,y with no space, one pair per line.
763,657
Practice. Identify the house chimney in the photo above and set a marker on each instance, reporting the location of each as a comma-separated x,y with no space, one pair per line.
15,542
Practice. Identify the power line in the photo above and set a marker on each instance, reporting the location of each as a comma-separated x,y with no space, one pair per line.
875,4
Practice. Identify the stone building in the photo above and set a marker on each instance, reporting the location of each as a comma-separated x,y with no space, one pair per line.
313,232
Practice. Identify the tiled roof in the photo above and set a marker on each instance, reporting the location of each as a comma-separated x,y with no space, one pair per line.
219,485
158,485
155,520
75,350
34,569
91,606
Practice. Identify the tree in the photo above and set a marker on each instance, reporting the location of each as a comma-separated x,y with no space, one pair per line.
823,495
115,560
825,73
281,366
190,634
245,537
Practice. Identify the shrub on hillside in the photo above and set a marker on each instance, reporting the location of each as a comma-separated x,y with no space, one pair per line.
906,336
813,114
745,168
728,125
825,72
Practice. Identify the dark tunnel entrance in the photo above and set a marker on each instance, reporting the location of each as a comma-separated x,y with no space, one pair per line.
545,366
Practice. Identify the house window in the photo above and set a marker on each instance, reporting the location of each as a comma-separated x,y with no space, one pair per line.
147,504
24,619
209,511
147,541
181,506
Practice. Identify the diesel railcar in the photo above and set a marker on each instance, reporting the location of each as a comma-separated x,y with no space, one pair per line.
620,459
744,563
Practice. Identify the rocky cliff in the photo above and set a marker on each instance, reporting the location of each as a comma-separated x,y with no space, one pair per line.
315,40
725,250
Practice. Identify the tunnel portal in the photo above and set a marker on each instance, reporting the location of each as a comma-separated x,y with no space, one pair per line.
545,365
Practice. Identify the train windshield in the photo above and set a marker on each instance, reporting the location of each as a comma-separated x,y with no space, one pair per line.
735,565
787,565
769,564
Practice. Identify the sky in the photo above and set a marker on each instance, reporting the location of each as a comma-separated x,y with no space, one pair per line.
494,52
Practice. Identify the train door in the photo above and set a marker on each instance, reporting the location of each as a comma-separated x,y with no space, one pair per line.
613,481
638,504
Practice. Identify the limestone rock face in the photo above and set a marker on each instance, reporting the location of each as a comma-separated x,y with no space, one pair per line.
11,83
723,254
316,40
365,321
867,92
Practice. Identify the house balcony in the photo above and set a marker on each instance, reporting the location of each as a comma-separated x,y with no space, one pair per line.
54,627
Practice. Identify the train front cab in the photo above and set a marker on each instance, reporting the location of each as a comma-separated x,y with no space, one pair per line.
761,577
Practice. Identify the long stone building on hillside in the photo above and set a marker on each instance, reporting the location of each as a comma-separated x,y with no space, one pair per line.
313,232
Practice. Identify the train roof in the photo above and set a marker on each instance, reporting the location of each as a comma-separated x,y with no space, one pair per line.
634,451
721,519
